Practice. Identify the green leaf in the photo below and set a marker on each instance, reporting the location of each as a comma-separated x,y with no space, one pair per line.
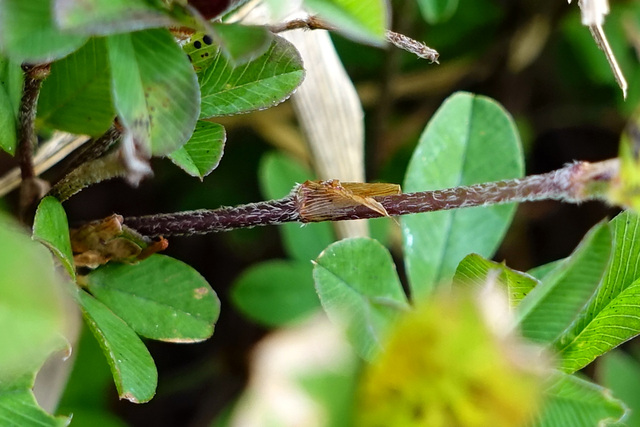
160,298
76,97
619,372
31,305
435,11
132,367
28,32
102,17
473,271
360,290
10,93
470,139
278,175
541,271
242,43
613,315
19,408
571,400
203,151
51,228
154,89
262,83
365,21
85,393
276,293
552,306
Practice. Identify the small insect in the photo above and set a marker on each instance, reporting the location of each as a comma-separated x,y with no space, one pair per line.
200,50
322,199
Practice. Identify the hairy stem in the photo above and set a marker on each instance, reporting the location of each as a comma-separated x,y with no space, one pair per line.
31,189
88,173
329,201
399,40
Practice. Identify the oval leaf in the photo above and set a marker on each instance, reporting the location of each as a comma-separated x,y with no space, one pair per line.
132,367
242,43
101,17
19,408
474,269
203,151
613,315
160,298
155,89
51,228
360,290
365,21
278,173
31,307
470,139
262,83
276,293
582,402
76,97
551,307
10,94
619,372
28,32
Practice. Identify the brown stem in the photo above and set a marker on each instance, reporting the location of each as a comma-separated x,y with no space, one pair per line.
399,40
329,201
31,189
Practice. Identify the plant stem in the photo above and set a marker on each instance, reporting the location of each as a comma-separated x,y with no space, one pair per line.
88,173
399,40
31,189
328,201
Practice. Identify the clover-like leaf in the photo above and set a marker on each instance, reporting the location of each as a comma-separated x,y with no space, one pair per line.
203,151
584,403
28,32
473,270
10,93
276,292
470,139
51,228
552,306
264,82
102,17
18,405
366,21
360,290
132,367
613,314
31,306
76,97
160,298
155,90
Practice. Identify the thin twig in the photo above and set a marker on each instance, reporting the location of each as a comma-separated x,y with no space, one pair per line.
399,40
312,202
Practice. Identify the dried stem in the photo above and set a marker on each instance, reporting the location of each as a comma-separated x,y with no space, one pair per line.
314,202
31,189
399,40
